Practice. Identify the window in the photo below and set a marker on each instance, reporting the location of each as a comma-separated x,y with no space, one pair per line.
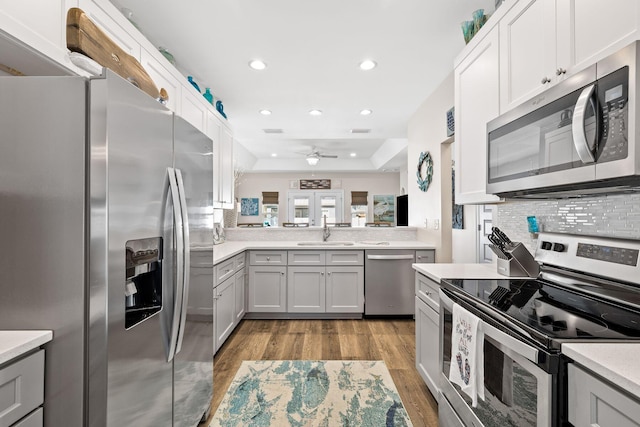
270,208
310,207
359,208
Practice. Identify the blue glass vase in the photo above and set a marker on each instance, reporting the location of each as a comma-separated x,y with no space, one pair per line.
220,109
208,95
193,83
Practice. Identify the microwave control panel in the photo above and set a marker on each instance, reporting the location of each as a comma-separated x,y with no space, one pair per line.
613,98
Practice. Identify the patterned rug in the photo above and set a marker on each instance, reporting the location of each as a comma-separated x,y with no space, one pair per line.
311,393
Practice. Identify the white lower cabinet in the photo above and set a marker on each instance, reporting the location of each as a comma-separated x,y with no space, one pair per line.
267,289
240,283
428,332
344,290
34,419
325,289
593,402
22,391
313,282
229,297
306,290
427,348
223,308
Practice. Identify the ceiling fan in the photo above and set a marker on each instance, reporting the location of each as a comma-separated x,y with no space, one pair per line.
314,156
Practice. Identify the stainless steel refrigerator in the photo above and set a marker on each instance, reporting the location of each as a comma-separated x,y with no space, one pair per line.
104,193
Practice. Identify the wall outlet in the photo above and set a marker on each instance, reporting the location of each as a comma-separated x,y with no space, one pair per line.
436,224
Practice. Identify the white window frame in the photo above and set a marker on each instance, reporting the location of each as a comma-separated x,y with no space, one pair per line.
315,208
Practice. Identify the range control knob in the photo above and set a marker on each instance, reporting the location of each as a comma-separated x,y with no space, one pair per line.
559,247
546,246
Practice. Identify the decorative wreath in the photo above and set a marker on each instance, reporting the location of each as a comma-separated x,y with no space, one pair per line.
426,160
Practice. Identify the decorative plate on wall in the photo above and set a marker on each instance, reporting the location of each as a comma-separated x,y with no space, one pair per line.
425,171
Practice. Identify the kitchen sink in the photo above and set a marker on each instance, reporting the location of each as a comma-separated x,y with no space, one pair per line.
326,243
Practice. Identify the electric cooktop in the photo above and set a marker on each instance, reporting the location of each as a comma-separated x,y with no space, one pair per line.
588,290
552,313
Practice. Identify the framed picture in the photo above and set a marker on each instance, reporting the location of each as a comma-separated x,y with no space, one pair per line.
249,206
384,208
315,184
457,213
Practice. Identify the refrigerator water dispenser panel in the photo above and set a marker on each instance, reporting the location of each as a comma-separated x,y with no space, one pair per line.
143,284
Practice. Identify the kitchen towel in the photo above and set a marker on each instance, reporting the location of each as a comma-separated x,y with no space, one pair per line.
467,354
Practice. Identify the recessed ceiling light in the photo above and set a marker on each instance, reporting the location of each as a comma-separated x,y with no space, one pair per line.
352,154
257,64
274,154
265,112
367,65
366,112
315,112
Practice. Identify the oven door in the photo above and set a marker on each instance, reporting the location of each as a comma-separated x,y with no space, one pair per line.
518,392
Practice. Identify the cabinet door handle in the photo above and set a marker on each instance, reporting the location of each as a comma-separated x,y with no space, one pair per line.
329,273
268,258
322,273
560,71
545,80
282,272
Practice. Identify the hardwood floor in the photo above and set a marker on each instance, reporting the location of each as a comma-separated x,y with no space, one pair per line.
368,339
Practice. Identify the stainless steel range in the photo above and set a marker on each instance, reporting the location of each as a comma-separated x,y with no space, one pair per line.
588,290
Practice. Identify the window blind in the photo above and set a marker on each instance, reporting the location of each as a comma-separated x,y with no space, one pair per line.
359,198
269,197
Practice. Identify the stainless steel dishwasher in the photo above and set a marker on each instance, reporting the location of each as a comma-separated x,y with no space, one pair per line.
389,282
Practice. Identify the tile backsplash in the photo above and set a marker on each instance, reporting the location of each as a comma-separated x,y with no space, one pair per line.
313,234
613,216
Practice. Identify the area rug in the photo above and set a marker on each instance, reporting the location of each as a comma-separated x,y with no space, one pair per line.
311,393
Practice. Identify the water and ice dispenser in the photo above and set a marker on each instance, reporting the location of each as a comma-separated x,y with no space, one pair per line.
143,279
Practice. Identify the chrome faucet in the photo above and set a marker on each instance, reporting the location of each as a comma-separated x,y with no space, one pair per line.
325,230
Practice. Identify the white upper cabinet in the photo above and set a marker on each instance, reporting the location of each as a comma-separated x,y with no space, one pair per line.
163,78
477,92
40,24
544,41
533,45
107,17
223,185
193,109
527,51
226,168
589,30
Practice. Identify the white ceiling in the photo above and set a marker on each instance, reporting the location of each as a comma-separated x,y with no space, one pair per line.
312,49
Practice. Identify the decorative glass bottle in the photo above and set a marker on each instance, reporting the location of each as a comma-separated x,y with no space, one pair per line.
208,95
190,78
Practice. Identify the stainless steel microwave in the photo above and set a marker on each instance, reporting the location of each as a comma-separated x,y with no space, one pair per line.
580,137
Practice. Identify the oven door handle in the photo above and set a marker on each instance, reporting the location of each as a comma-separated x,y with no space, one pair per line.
506,342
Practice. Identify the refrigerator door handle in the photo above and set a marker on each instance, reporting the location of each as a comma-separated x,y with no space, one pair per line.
186,268
179,241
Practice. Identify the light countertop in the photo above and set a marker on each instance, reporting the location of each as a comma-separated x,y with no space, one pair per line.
230,248
15,343
438,272
617,362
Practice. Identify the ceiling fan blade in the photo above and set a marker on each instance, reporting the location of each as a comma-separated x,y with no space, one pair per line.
329,156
